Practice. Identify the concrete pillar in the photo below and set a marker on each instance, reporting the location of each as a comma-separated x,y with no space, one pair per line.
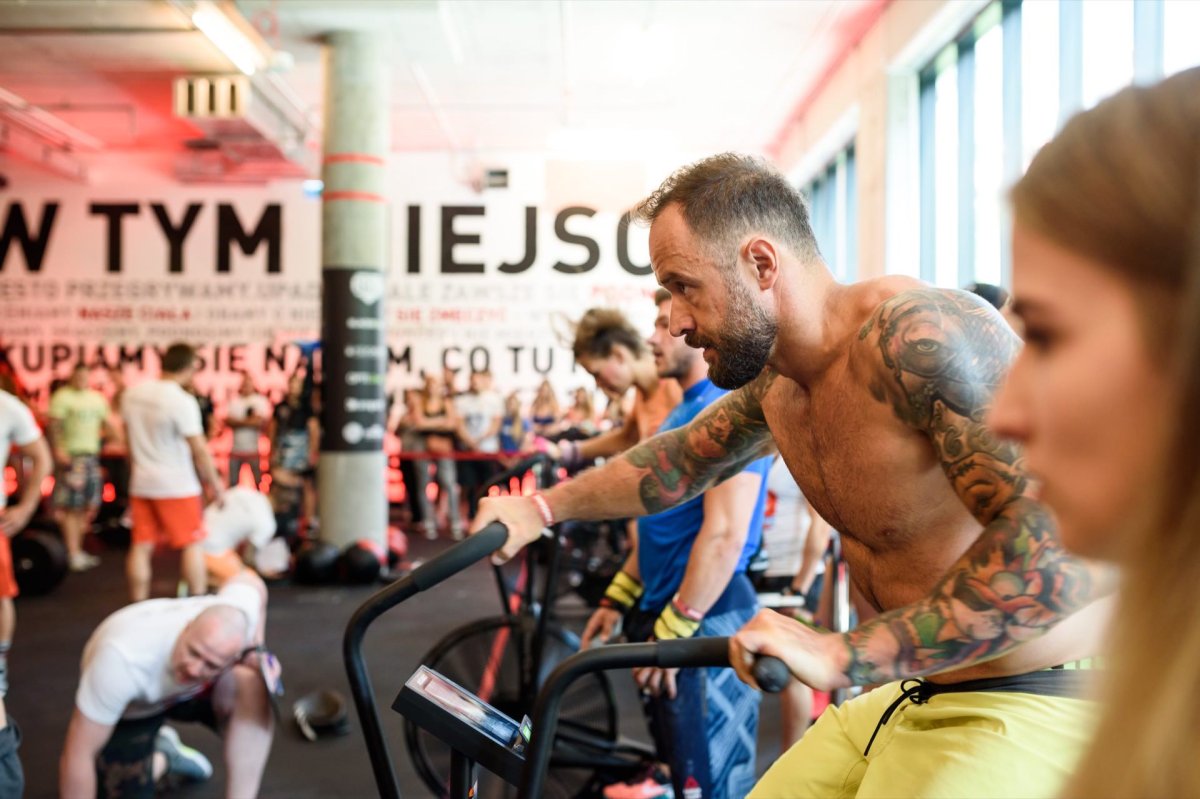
352,479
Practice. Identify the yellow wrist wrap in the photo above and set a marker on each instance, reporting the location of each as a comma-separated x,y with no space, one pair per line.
623,592
673,624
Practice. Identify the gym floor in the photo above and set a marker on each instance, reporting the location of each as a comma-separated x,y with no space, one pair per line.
304,628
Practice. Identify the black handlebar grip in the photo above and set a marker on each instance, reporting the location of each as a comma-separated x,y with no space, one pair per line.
692,653
771,673
460,556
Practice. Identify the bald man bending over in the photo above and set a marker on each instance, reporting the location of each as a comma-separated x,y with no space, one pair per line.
189,659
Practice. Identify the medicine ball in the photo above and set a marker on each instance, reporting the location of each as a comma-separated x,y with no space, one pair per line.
112,525
316,563
39,561
361,562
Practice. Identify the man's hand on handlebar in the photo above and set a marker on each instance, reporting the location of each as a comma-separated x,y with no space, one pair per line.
814,658
518,514
604,624
656,682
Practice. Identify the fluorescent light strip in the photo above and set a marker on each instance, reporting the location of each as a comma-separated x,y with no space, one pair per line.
225,36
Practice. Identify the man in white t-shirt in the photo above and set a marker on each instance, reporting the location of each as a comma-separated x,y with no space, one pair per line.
246,516
17,427
170,458
480,411
190,659
248,413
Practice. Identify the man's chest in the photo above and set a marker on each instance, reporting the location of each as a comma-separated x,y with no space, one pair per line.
863,470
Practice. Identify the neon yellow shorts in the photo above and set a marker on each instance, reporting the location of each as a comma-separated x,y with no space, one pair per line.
977,744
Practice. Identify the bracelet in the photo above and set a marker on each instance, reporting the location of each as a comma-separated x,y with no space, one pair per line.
622,593
543,508
673,624
569,450
685,610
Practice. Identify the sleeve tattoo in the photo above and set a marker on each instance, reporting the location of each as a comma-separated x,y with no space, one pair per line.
945,355
720,442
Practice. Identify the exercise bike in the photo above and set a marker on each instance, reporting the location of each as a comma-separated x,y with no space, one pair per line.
505,659
520,752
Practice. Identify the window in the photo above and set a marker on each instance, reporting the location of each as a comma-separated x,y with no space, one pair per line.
1180,23
1039,67
1001,90
1107,48
962,150
833,214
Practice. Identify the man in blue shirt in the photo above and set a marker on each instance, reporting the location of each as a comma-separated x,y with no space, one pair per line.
686,577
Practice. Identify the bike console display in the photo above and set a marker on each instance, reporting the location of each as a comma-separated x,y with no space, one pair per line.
465,723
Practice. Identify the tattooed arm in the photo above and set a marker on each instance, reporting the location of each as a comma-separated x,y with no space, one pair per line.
659,473
942,356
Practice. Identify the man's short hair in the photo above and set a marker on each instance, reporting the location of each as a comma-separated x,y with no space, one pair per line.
726,196
661,295
179,356
601,329
994,294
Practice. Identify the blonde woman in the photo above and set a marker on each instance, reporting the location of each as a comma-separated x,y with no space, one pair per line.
545,412
581,416
1104,400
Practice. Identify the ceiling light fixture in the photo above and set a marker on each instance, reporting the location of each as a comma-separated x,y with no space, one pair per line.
226,37
450,28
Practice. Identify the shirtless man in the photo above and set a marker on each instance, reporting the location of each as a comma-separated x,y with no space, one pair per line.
875,395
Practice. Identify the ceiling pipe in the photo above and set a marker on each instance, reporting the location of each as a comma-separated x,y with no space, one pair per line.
45,125
22,143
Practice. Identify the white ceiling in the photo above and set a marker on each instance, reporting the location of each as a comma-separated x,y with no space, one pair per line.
567,76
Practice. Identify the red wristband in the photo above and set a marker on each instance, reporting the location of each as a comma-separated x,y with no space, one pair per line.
543,507
686,611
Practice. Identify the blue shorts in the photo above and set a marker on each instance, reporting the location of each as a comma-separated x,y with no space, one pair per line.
12,776
720,763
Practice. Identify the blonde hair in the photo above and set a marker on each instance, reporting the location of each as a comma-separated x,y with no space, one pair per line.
1121,185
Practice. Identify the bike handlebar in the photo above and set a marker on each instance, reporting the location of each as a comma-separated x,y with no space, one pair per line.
679,653
449,563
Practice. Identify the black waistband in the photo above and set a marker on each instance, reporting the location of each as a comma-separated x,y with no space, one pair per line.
1069,683
1048,682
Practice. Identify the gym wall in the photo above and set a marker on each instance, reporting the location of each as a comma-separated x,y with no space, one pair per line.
91,270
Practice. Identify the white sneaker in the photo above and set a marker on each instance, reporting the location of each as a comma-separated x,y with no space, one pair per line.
82,562
182,760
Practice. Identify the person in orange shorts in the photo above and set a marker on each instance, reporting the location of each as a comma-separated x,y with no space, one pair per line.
170,460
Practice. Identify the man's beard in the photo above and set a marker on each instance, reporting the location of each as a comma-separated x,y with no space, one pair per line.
743,346
679,364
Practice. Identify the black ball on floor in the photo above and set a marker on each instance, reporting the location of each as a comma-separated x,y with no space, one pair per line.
361,563
316,563
39,562
113,533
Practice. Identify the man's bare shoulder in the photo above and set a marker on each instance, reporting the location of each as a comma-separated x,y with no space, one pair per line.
944,342
866,298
